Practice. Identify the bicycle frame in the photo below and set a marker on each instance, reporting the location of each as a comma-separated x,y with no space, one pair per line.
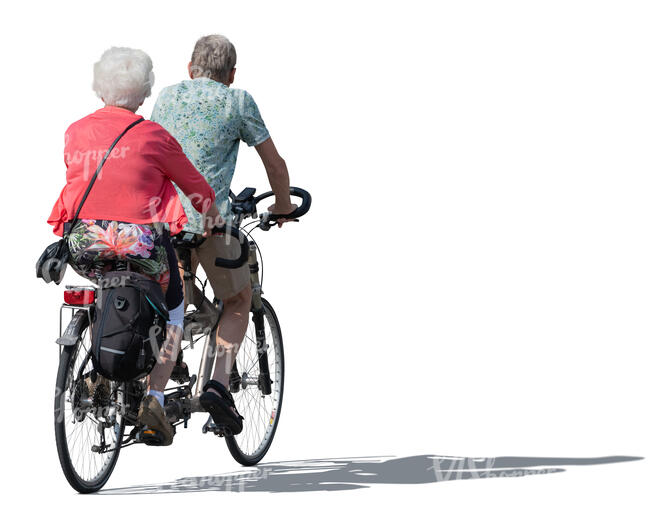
209,353
204,374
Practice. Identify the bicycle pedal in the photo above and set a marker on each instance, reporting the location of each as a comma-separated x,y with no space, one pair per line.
149,437
218,430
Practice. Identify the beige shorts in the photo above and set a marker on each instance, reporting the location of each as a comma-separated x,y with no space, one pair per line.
225,282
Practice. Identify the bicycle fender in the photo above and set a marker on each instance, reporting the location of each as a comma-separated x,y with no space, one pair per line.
73,330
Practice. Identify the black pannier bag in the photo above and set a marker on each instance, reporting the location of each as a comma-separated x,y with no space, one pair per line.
128,328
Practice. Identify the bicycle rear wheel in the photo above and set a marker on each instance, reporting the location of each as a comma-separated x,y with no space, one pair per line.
87,425
261,412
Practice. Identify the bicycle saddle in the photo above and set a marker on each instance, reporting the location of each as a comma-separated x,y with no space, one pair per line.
188,240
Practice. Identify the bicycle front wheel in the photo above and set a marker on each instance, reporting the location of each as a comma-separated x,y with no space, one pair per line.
87,425
261,412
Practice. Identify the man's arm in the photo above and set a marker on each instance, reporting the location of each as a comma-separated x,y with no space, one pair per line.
276,170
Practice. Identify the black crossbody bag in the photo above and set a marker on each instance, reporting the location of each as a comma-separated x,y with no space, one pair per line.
53,261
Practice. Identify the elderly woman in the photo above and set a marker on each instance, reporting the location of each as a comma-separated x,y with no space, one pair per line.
133,206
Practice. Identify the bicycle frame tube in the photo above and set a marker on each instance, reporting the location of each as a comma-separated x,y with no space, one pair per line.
207,361
184,256
190,292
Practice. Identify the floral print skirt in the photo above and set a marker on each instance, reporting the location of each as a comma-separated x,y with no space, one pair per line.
99,246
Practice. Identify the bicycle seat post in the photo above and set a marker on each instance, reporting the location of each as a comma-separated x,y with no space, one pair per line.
184,257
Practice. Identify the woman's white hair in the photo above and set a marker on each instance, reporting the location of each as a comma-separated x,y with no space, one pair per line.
123,77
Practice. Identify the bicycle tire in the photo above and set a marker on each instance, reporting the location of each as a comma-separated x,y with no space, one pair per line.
68,357
233,442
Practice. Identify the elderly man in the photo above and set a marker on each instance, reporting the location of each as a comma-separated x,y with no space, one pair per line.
209,119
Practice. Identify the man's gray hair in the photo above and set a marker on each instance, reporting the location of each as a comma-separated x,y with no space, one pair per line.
213,57
123,77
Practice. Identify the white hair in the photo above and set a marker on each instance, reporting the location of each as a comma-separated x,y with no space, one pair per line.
213,57
123,77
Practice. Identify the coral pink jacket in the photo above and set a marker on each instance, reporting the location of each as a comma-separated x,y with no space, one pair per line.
135,183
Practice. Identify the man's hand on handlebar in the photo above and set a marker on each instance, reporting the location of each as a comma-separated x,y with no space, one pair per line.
284,209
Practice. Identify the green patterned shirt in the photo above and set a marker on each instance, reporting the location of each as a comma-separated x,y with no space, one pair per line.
209,119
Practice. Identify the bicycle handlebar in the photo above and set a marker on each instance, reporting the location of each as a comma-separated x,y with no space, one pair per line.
267,219
298,212
243,242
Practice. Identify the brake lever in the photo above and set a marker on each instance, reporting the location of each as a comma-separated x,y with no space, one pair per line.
265,224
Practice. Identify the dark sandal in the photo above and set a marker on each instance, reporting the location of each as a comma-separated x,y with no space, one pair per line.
219,406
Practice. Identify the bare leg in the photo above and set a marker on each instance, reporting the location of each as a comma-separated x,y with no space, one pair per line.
166,359
230,333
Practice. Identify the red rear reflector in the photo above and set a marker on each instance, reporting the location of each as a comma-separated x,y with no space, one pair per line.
83,297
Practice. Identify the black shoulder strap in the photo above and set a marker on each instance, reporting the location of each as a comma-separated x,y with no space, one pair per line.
99,167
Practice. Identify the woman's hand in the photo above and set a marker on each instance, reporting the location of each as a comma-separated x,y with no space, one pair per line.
212,219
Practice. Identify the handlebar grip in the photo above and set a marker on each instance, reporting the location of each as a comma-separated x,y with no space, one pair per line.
243,242
298,212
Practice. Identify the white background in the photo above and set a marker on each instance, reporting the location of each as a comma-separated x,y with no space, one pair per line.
472,280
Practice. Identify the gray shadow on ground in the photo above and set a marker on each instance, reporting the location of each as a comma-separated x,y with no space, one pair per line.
361,472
